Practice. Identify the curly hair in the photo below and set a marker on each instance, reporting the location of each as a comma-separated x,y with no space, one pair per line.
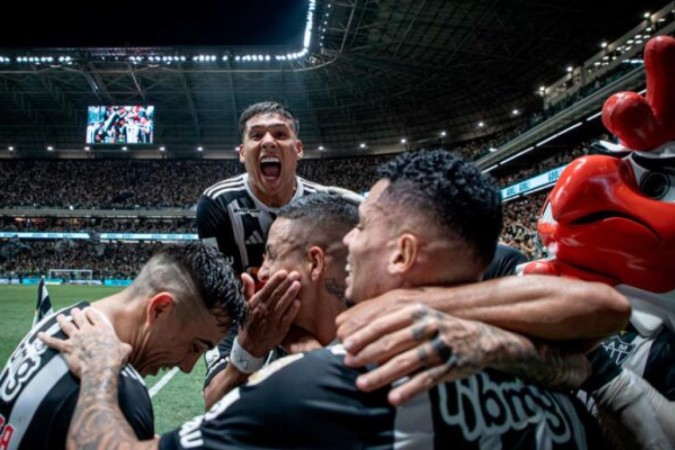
451,192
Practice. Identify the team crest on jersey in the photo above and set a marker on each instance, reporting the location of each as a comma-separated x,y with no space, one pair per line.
618,350
264,373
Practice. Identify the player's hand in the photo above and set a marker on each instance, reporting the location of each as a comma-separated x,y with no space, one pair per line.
364,313
91,345
427,345
270,311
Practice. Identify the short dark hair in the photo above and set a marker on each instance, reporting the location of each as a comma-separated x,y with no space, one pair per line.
268,107
451,191
209,272
322,209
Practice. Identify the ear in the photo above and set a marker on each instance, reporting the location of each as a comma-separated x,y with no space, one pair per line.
404,255
299,148
159,305
317,260
242,153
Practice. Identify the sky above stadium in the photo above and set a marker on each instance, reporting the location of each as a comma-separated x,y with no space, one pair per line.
157,23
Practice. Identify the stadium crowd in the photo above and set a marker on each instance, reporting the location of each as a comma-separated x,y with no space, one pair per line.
356,173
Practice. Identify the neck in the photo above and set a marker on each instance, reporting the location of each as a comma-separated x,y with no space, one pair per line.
125,316
317,316
275,200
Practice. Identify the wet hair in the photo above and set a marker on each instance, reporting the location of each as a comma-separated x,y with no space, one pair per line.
194,271
450,191
324,212
267,108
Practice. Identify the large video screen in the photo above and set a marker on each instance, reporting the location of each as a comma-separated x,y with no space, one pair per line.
133,124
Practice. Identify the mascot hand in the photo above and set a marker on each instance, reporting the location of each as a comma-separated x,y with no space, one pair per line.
641,123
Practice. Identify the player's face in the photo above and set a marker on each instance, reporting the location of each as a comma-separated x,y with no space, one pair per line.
283,250
270,151
177,338
370,244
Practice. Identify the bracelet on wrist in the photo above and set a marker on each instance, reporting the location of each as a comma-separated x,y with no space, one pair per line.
243,360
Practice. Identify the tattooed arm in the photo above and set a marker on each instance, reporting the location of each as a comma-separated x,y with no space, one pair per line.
546,307
94,352
436,347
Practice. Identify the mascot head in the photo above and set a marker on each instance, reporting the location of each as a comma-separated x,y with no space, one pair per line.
612,218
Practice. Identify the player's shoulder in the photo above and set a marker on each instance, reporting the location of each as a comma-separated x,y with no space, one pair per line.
233,186
298,367
311,187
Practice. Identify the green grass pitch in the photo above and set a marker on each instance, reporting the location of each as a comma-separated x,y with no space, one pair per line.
178,401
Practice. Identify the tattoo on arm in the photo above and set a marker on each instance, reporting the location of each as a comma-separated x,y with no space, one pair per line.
98,422
542,363
460,346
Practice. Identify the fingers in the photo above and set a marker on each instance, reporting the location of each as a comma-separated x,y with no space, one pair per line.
66,323
361,315
248,285
382,326
384,347
419,384
276,296
398,367
82,319
270,313
55,343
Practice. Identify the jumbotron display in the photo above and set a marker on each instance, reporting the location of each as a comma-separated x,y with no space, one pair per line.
120,124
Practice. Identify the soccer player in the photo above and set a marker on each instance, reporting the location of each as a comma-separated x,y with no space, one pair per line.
235,215
428,207
182,303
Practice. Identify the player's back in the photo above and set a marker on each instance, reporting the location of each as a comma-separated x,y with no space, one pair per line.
38,394
310,401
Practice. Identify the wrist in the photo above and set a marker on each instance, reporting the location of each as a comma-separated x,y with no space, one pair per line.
244,361
249,345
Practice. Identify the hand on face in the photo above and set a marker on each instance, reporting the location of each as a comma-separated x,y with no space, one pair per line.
270,311
91,345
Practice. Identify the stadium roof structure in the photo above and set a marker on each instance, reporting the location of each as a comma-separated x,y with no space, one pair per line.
362,75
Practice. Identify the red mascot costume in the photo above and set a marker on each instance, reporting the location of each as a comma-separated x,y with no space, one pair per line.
612,218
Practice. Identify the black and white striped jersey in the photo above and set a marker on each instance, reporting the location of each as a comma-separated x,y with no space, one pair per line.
38,394
652,358
230,216
310,401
